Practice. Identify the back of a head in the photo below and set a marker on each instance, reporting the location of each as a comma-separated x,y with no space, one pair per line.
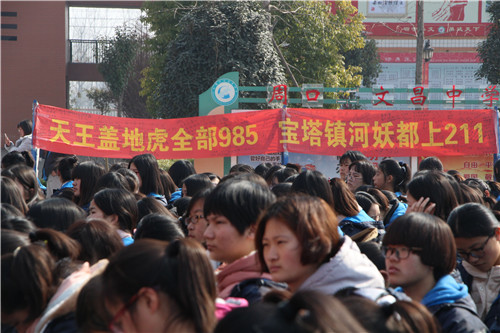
65,167
98,239
240,201
13,158
180,170
365,200
11,194
262,168
397,317
157,226
149,205
55,213
113,180
91,314
167,268
9,211
310,311
11,240
241,168
196,183
26,177
431,163
314,183
18,223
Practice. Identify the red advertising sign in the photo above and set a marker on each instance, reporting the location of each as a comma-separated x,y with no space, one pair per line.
311,131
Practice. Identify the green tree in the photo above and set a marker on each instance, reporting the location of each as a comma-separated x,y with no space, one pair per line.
213,38
124,58
313,40
489,50
102,98
368,59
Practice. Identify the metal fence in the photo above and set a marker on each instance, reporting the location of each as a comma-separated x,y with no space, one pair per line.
87,51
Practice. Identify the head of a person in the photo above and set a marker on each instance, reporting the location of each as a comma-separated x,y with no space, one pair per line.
12,239
65,167
470,194
12,195
145,288
213,177
314,183
17,223
294,237
369,204
360,173
91,314
113,180
457,175
309,311
346,159
269,175
262,168
17,157
400,316
282,175
26,180
27,284
97,238
437,187
477,235
151,205
282,189
344,201
118,207
158,226
146,168
232,210
55,213
431,163
392,175
496,170
195,220
25,127
131,177
241,168
418,246
195,183
85,176
180,170
382,200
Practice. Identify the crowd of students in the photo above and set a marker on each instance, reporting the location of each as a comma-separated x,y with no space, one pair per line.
139,249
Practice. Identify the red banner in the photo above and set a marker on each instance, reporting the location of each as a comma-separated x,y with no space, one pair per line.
311,131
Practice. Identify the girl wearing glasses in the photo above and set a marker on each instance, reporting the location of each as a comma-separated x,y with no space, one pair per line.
477,237
419,257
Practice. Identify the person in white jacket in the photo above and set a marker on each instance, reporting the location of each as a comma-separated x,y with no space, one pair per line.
24,143
298,242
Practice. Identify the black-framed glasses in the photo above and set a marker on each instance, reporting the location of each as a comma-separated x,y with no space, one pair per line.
475,253
401,253
194,219
113,324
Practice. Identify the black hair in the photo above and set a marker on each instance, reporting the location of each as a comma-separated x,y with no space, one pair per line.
18,223
352,155
365,168
196,183
284,174
180,170
282,189
120,202
314,183
241,168
26,125
158,226
148,169
88,172
472,220
66,166
55,213
17,157
262,168
400,171
365,200
431,163
240,201
113,180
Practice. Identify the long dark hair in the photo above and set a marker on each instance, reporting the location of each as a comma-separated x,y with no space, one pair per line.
169,268
88,172
147,165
